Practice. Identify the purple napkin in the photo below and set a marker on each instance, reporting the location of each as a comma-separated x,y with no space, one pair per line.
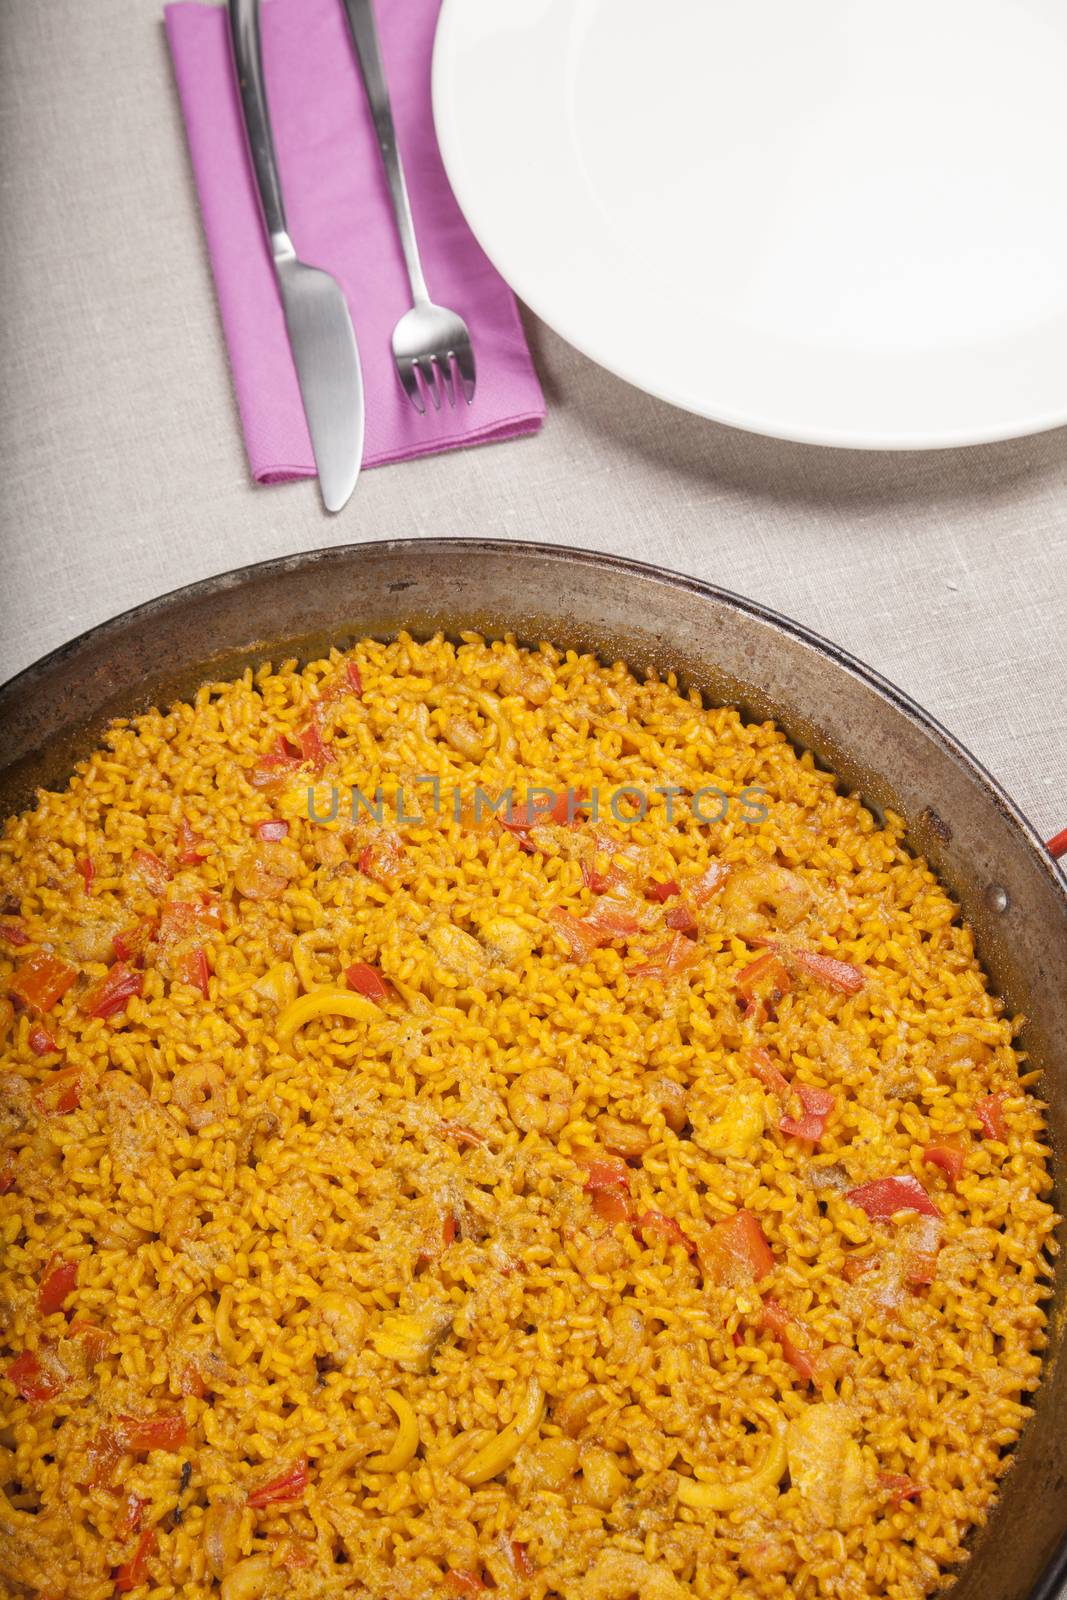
340,219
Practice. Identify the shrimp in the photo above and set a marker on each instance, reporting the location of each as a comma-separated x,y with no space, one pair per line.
251,1579
960,1047
730,1129
623,1138
539,1100
199,1092
621,1575
265,871
758,900
343,1319
458,952
825,1463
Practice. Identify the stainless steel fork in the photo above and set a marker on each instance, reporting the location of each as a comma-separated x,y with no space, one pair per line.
429,340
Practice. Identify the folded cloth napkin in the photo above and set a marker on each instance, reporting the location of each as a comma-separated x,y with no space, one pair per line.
340,219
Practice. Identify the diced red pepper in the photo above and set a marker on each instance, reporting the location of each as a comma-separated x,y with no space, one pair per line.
164,1431
596,881
834,974
130,1521
192,1382
355,680
667,960
521,1561
540,809
463,1583
58,1282
94,1340
7,1172
855,1266
131,944
612,1206
42,980
799,1345
85,866
662,891
900,1486
948,1154
761,985
663,1227
105,1453
604,1172
681,919
110,994
152,870
990,1113
817,1105
312,749
886,1196
611,916
758,1061
735,1251
31,1380
709,882
185,919
40,1041
368,981
290,1486
59,1093
14,934
381,859
579,934
272,831
190,846
134,1572
277,766
192,968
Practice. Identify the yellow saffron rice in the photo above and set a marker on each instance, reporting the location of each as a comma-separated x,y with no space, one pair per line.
404,1208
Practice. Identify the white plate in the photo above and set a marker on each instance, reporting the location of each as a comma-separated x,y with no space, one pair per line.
843,221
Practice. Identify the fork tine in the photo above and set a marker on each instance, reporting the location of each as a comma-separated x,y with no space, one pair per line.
429,378
406,373
444,367
464,357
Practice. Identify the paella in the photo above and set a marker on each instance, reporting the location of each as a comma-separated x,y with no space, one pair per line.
478,1122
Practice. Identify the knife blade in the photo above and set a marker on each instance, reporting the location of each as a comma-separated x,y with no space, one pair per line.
317,319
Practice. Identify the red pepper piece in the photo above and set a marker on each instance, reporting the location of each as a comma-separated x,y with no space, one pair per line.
164,1431
886,1196
811,1124
948,1154
272,831
110,994
59,1093
42,980
58,1282
368,981
31,1380
85,866
152,870
761,985
662,891
130,1521
192,968
681,920
834,974
709,882
14,934
40,1041
289,1486
735,1251
134,1572
900,1486
799,1345
990,1113
190,846
663,1227
131,944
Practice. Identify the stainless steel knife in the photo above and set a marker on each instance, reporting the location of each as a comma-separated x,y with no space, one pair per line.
316,315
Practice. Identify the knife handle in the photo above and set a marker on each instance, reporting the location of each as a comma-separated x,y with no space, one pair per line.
248,62
364,32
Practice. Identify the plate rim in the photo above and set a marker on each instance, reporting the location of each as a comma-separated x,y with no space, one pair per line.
769,425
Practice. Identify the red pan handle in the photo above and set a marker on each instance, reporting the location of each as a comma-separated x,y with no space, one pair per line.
1057,847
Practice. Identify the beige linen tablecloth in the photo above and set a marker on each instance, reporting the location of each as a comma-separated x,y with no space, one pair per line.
124,471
